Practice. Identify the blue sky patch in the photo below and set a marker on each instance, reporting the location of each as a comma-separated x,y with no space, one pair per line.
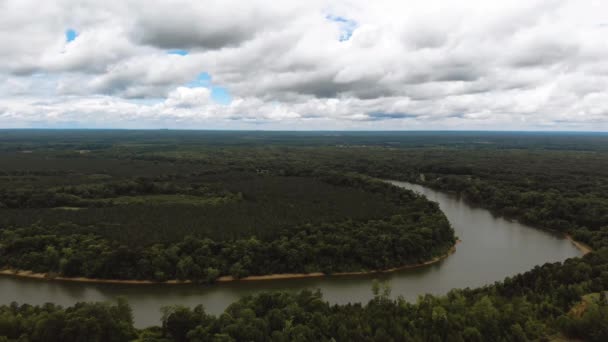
347,26
375,116
202,80
70,35
219,94
177,52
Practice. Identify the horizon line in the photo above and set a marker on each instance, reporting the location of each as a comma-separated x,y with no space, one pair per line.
290,130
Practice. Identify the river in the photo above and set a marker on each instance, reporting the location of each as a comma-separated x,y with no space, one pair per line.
491,249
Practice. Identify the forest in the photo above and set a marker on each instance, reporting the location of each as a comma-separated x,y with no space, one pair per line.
299,202
107,214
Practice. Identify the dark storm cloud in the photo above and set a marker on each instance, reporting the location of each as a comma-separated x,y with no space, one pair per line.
168,34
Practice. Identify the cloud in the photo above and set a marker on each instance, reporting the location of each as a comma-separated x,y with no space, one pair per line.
205,25
150,75
349,64
347,26
184,97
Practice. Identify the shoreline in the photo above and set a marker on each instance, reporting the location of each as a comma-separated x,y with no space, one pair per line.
586,249
583,247
222,279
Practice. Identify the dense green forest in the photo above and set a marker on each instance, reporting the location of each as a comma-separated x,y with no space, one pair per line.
298,202
120,212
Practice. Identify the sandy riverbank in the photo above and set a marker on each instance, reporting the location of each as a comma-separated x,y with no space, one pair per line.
585,249
223,279
581,246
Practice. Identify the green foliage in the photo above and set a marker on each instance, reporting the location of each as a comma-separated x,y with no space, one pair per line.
380,244
198,205
83,322
202,226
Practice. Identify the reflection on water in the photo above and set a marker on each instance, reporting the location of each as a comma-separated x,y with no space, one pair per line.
491,249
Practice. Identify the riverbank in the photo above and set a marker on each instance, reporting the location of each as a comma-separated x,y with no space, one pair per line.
435,260
222,279
586,249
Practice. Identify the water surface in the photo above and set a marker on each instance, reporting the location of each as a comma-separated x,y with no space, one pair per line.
491,249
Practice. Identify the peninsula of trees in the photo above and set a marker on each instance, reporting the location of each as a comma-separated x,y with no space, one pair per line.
118,214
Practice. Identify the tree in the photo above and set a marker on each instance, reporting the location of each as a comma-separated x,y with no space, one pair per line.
178,321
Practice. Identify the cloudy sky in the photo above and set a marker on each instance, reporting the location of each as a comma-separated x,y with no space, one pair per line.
400,65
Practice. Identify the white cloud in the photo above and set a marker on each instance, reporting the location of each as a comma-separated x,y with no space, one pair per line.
290,64
184,97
